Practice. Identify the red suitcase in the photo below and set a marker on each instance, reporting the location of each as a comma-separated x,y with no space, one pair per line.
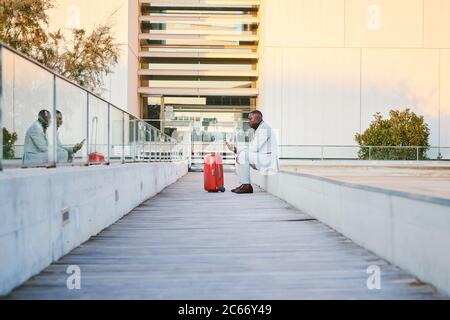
96,157
213,171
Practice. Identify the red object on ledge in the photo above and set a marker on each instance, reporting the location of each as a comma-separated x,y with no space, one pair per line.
96,157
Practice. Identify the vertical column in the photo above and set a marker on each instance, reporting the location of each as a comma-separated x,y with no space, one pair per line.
54,155
162,114
123,137
1,107
88,139
108,154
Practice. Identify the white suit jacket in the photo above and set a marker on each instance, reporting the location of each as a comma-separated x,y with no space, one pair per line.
36,145
263,149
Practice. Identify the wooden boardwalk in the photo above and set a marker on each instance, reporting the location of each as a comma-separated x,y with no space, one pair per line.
188,244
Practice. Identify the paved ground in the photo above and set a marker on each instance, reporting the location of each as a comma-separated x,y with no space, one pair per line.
426,179
188,244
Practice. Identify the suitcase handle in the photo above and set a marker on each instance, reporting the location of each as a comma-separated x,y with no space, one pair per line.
218,172
94,136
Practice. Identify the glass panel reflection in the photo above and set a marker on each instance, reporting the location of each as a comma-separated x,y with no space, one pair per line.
71,103
98,130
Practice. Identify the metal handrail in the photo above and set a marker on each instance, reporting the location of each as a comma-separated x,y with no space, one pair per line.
69,81
370,149
61,76
65,79
356,146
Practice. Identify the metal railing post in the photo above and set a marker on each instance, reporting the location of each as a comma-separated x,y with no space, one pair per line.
160,144
158,147
144,139
417,153
151,144
88,140
1,107
55,125
108,154
123,137
370,153
148,134
136,139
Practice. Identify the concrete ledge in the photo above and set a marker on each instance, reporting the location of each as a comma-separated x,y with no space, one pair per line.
33,231
408,230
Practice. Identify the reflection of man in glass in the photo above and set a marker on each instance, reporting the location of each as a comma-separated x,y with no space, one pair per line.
65,153
36,144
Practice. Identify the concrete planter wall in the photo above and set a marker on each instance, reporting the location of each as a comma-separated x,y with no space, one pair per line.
35,231
408,230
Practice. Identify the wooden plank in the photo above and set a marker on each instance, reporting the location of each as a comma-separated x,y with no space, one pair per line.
188,244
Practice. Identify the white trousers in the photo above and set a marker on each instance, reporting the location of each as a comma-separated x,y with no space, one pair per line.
246,160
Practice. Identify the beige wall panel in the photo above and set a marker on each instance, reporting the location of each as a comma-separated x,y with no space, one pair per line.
308,23
384,23
320,96
314,91
401,78
445,100
437,23
271,81
123,14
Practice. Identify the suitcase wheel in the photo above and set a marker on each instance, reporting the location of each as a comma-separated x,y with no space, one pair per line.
222,189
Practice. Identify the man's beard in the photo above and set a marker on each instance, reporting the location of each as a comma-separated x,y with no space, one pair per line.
256,126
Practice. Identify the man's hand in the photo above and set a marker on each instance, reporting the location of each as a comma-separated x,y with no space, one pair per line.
232,147
77,147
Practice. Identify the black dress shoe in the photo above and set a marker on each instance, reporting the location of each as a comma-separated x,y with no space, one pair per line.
235,189
245,188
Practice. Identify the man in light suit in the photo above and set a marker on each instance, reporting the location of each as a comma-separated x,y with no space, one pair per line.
36,143
65,153
261,154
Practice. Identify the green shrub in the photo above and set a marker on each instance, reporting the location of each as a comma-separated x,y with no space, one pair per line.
9,139
403,129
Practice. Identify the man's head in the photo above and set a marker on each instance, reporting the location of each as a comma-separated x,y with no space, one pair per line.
254,119
44,117
59,119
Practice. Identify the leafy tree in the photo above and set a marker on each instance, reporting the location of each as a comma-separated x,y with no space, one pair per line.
402,129
23,26
9,139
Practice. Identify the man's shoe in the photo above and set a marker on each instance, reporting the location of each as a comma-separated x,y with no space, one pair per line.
235,189
245,188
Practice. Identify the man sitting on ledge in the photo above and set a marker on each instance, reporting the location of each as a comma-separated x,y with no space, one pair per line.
261,154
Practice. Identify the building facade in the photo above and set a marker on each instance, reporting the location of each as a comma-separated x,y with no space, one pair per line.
120,87
318,69
327,66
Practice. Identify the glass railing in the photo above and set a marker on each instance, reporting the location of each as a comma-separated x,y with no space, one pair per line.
371,153
203,137
48,120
